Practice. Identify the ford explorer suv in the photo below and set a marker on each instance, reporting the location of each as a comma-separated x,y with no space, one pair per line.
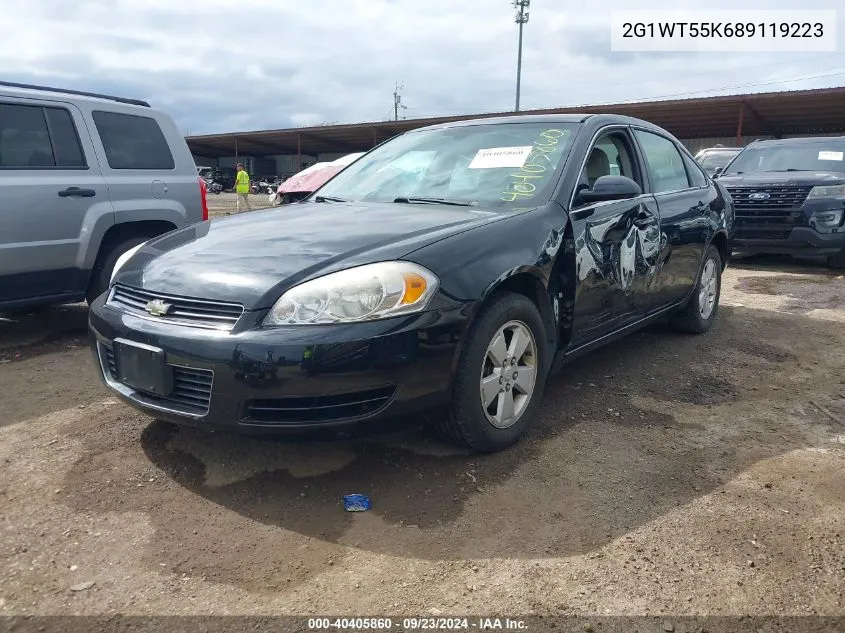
83,179
789,198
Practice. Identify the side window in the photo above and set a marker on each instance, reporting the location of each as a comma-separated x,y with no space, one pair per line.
664,162
24,137
132,142
32,137
694,173
610,156
66,147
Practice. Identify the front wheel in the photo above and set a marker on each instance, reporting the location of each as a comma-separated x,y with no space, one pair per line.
500,376
700,312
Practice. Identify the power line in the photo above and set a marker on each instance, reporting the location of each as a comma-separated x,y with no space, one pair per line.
721,70
744,85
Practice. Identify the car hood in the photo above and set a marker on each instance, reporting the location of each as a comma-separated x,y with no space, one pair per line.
782,179
252,258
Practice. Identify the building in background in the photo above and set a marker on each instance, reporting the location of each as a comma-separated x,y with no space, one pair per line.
732,120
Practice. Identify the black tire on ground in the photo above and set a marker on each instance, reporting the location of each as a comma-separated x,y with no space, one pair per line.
101,275
466,423
837,262
694,318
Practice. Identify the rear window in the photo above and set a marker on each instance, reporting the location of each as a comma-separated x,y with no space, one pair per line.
34,137
132,142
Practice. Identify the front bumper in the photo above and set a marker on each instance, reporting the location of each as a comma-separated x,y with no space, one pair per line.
292,378
801,242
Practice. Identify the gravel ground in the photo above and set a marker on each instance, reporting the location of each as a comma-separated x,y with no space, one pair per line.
227,203
668,475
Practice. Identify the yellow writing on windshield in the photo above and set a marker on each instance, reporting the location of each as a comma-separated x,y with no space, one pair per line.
521,185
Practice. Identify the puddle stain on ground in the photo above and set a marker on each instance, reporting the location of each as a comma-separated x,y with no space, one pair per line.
803,294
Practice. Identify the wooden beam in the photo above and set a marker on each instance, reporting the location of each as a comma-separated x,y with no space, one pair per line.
739,124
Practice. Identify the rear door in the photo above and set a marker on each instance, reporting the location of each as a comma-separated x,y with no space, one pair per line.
51,191
149,177
683,196
616,243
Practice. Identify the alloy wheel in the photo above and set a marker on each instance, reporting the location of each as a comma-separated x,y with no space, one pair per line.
508,374
707,287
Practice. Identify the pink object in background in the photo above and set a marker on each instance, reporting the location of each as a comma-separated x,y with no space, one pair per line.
316,175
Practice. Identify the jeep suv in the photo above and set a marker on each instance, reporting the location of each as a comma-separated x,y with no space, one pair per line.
789,198
84,178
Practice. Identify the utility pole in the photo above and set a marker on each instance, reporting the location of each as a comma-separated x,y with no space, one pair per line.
397,101
521,18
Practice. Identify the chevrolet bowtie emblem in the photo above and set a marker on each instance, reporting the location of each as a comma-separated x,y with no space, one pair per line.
157,307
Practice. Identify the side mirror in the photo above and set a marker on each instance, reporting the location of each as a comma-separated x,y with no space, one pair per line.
609,188
718,171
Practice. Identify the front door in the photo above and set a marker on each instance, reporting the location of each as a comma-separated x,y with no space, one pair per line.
50,182
616,244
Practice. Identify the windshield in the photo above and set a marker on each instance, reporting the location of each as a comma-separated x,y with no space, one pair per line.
711,161
499,165
815,156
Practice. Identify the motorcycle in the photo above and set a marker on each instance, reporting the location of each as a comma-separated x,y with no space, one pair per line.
213,187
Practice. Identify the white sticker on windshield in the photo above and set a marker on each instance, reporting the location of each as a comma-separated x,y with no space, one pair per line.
831,155
493,157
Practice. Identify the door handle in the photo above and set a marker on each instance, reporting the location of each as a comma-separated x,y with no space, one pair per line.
580,214
76,191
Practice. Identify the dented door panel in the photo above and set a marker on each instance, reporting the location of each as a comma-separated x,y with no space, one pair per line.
617,257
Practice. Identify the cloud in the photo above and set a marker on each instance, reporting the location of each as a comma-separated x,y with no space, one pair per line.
218,65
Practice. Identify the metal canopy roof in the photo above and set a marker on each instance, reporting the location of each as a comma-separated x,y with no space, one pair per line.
759,114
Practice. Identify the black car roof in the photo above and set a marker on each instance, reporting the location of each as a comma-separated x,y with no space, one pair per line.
798,141
545,118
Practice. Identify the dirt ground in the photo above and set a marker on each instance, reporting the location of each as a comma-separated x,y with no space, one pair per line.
227,203
668,474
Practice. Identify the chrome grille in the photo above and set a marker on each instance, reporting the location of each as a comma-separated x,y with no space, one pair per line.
191,387
183,310
783,206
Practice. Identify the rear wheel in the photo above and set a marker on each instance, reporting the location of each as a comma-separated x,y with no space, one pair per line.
500,376
837,262
700,312
101,275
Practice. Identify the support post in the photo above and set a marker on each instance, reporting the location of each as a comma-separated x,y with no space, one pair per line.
298,153
739,124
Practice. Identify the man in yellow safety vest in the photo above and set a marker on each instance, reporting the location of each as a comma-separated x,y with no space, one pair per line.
242,187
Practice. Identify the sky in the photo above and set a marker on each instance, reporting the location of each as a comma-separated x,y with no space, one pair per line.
221,66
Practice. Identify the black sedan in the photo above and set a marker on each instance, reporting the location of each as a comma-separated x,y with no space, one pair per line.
451,268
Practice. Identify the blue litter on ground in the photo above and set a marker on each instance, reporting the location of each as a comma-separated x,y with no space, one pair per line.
356,503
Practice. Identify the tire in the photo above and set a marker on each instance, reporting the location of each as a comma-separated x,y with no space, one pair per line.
468,423
837,262
700,312
101,275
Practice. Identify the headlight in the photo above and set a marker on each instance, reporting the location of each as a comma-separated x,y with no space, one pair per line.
122,260
363,293
828,218
827,191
